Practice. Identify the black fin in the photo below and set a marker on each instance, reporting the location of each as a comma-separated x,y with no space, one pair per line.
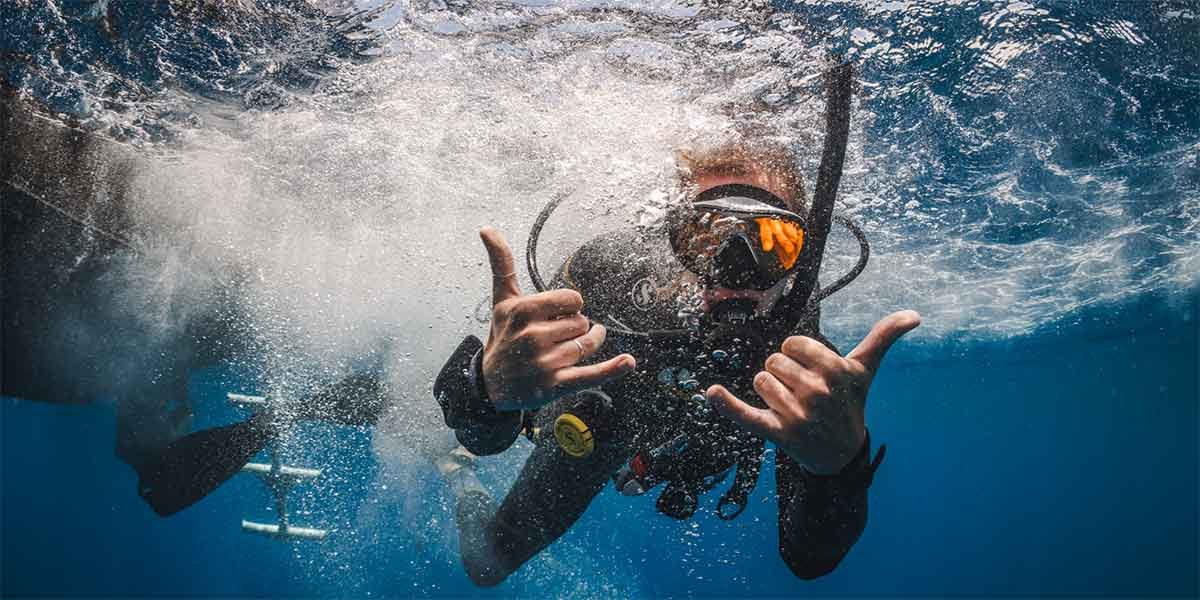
359,399
194,465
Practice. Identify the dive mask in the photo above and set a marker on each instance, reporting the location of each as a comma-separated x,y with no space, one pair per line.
737,236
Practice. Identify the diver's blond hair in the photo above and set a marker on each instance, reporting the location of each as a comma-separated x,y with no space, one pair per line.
772,163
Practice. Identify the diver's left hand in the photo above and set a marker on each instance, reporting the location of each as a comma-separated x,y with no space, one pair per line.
816,400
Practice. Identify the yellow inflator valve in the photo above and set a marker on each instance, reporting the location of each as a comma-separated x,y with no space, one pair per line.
573,435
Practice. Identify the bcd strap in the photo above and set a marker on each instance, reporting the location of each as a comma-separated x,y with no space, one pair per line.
867,476
748,468
682,495
528,429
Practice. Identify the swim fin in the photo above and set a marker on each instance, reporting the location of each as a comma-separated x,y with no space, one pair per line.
359,399
194,465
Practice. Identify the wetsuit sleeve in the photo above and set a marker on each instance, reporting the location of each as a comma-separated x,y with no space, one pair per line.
821,517
460,392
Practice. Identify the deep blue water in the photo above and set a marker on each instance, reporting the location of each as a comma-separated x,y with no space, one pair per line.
1029,174
1061,463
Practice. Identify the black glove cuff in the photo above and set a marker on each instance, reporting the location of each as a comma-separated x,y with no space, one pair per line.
478,385
460,389
858,474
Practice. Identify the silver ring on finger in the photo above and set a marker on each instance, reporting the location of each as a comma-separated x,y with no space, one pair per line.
581,352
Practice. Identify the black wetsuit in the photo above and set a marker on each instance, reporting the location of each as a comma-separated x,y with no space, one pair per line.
621,278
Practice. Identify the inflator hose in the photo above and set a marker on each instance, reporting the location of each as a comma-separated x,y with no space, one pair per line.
534,233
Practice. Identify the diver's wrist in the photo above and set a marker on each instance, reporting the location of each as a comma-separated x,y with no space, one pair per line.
857,462
478,384
479,389
480,392
460,390
830,464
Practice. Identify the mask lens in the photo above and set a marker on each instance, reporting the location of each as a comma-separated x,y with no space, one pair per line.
782,238
776,243
704,233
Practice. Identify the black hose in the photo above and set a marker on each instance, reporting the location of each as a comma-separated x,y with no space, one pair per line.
864,253
838,89
534,233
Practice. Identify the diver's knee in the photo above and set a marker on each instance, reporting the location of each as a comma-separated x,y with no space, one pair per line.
474,514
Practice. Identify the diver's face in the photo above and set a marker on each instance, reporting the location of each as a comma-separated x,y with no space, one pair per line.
715,294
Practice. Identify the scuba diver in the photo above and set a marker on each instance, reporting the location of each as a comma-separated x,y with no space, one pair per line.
682,393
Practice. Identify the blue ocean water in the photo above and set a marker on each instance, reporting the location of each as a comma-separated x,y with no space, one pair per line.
1062,463
1030,176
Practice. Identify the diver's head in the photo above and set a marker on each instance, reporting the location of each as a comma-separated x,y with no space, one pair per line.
740,226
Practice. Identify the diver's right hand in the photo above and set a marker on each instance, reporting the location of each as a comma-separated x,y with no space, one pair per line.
536,341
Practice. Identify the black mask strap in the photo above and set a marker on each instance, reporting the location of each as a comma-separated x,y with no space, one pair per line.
743,190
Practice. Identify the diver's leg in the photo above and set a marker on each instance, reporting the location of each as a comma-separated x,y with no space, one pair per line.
176,469
550,494
150,418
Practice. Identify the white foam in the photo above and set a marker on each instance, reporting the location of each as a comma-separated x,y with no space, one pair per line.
356,210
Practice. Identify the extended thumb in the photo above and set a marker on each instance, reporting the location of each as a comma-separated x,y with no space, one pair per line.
871,349
504,275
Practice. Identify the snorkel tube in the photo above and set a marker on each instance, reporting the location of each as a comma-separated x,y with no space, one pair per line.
805,297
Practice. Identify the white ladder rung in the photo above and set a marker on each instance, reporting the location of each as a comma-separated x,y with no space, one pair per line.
246,400
273,530
293,472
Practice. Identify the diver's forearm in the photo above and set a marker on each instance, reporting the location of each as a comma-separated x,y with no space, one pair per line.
821,517
491,438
